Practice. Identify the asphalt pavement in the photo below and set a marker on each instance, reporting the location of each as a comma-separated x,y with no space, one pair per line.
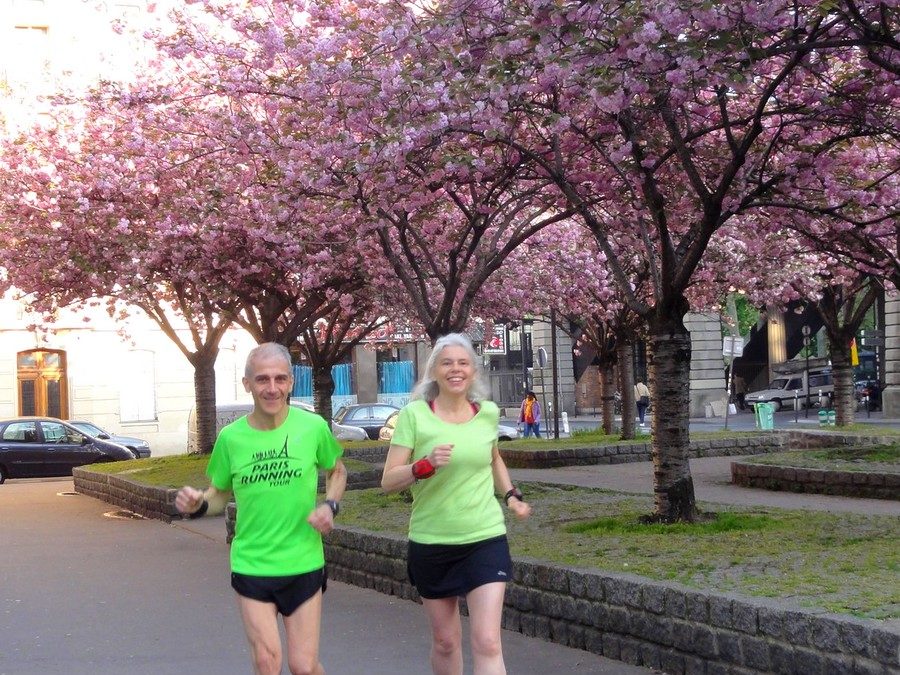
83,591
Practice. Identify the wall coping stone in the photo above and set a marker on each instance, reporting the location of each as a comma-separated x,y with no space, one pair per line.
818,481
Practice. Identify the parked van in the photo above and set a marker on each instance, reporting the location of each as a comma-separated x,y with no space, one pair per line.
782,390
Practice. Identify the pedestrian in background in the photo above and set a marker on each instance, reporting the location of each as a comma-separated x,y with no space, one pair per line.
270,459
444,450
642,399
530,415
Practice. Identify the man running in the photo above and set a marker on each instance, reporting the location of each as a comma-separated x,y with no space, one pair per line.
270,460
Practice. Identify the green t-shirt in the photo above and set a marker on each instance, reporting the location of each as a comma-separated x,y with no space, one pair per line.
274,476
457,504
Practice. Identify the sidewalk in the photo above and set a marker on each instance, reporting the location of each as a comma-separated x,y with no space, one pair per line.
84,593
712,484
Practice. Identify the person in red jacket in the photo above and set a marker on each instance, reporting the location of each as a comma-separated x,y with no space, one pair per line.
530,415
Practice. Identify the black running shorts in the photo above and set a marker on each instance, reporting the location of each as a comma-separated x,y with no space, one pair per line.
448,570
286,593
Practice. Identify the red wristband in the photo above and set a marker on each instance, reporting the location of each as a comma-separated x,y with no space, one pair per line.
422,469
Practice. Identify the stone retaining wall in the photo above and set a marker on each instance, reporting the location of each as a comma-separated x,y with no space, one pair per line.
145,500
641,622
817,481
159,503
619,453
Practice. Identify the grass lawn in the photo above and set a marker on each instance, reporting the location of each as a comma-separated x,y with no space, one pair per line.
178,470
844,563
879,458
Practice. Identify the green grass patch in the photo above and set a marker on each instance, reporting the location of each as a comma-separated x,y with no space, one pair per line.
178,470
631,525
845,563
877,458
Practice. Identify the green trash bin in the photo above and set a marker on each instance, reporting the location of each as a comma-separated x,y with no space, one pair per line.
765,416
823,418
832,418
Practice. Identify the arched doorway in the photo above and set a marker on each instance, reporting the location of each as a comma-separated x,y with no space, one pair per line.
42,383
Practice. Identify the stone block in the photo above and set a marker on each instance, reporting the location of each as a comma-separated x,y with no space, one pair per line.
884,646
622,592
552,578
683,636
810,662
593,641
671,662
704,640
611,646
854,637
744,617
781,657
796,628
697,607
862,666
825,633
654,598
720,611
729,647
676,604
630,651
756,653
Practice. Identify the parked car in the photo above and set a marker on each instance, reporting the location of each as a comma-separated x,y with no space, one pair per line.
226,413
369,416
781,391
35,447
504,431
137,445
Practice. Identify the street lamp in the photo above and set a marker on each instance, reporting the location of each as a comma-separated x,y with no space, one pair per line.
806,342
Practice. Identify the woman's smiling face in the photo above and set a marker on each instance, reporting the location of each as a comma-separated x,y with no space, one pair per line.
454,370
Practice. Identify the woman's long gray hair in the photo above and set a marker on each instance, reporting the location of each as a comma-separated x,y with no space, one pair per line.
427,388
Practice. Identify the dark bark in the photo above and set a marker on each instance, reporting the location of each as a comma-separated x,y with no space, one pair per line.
843,311
204,363
625,353
323,389
670,370
607,395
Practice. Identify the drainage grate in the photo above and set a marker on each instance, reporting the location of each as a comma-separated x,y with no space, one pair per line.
67,494
123,515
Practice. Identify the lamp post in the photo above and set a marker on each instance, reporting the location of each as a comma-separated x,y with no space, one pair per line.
806,342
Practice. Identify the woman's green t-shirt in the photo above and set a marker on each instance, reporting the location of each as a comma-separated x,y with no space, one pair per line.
274,476
457,504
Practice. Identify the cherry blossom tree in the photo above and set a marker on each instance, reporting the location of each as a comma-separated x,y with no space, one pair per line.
685,115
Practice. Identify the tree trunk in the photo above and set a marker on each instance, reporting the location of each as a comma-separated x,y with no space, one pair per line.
323,388
670,371
842,373
608,396
625,358
204,363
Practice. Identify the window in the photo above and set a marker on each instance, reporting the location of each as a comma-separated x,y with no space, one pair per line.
21,431
42,383
137,399
54,432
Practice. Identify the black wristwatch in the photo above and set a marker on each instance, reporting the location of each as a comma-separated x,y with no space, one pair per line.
334,506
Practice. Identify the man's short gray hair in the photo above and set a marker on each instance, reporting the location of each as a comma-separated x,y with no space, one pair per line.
266,350
427,388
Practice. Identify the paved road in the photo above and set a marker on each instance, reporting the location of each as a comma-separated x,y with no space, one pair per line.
742,421
82,593
712,484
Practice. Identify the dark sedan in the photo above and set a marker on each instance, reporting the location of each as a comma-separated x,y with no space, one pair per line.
137,445
35,447
369,416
